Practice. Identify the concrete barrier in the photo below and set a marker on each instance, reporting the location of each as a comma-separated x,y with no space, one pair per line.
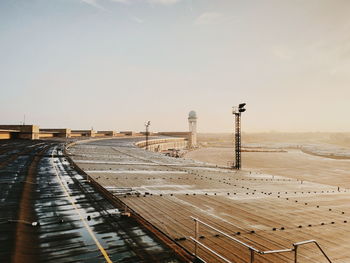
158,145
63,133
33,132
8,134
128,133
83,133
30,132
106,133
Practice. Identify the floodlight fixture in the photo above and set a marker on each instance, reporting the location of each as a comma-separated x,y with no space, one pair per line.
242,105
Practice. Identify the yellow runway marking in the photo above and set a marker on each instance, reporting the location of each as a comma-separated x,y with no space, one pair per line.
98,244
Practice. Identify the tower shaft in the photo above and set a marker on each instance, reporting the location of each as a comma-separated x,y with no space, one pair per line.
237,164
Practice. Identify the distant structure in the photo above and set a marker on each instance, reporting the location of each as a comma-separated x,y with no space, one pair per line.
147,124
237,111
192,122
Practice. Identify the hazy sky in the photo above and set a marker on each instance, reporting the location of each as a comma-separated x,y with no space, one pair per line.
113,64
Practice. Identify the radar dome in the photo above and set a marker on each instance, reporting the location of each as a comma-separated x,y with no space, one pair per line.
192,115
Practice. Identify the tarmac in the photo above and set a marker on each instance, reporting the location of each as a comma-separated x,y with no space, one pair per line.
265,211
51,213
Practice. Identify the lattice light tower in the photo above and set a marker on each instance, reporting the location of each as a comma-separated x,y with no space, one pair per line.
237,111
192,122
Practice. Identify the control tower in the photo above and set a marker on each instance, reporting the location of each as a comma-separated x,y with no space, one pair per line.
192,121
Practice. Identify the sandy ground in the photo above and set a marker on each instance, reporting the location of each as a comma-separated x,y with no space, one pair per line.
294,164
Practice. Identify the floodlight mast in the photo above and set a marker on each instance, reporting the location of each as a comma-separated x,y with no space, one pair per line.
237,111
147,124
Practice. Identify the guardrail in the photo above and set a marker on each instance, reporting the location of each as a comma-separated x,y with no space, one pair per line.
162,144
252,250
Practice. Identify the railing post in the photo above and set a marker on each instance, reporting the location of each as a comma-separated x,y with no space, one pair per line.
251,255
196,233
325,255
295,254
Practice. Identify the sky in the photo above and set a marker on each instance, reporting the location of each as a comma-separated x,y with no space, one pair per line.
114,64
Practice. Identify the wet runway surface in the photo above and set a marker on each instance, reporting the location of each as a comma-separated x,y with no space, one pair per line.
50,213
268,212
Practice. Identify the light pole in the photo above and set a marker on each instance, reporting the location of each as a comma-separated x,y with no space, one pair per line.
237,111
147,124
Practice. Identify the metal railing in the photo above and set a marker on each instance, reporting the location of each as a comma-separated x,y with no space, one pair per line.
252,250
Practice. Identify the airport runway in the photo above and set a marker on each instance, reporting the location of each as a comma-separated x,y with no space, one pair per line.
265,211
